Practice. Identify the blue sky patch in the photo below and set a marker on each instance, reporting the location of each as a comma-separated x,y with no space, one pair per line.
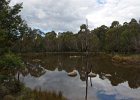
101,1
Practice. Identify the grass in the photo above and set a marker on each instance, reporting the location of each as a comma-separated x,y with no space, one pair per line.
36,94
43,95
128,59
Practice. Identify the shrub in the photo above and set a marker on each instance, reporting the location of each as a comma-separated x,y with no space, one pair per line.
10,61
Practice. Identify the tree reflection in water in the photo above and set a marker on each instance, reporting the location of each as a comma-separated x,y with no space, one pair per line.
98,64
102,66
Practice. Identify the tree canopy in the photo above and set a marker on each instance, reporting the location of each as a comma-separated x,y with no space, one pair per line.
17,36
12,26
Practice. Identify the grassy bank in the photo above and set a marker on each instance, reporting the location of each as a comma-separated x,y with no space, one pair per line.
126,59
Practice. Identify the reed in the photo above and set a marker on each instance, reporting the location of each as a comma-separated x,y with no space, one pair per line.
127,58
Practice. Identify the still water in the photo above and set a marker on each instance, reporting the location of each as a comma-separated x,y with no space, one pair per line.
111,81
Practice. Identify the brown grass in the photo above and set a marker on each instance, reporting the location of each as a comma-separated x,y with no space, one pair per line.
126,58
45,95
36,94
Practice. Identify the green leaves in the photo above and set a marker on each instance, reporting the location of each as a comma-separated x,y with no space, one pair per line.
12,27
10,61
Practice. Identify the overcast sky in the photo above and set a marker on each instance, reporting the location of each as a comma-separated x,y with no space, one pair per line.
68,15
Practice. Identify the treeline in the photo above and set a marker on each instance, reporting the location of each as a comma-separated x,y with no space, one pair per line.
116,38
15,35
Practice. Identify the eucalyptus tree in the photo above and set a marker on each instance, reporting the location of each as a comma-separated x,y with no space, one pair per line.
130,37
100,32
83,35
115,24
50,41
12,27
67,41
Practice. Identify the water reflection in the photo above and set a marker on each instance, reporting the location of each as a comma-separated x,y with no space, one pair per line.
111,80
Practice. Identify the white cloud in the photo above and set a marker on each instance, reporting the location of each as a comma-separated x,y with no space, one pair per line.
68,15
121,10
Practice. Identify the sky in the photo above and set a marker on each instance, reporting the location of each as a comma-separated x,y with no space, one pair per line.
68,15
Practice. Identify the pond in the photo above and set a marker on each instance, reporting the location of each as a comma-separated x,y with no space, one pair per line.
111,81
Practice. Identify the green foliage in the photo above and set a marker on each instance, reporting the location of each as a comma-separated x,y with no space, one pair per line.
100,32
10,64
67,41
10,61
17,36
116,38
50,40
114,24
12,27
94,43
123,38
